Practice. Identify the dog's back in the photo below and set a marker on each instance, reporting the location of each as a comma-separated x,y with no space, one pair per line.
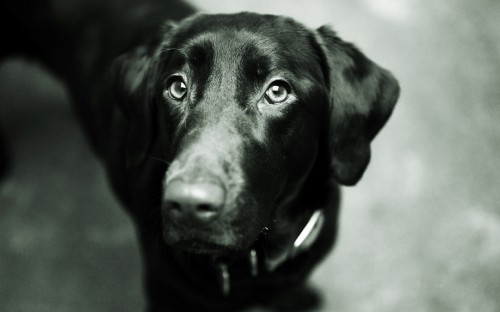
77,39
64,33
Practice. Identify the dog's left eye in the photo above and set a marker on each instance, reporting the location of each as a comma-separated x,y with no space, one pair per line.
277,92
176,89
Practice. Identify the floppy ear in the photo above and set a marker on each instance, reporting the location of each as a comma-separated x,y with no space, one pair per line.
362,97
135,77
132,74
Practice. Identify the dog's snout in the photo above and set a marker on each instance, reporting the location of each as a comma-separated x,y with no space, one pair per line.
193,203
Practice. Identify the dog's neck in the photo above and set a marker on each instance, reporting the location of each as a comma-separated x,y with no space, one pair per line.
300,223
258,261
303,241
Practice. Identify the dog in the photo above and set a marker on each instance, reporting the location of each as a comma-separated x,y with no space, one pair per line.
225,137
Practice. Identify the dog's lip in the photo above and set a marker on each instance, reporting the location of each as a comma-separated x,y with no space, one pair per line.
203,247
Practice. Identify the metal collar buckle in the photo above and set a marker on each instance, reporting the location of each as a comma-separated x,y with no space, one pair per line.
303,242
225,277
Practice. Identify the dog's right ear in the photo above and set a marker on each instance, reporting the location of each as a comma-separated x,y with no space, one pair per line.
135,77
132,79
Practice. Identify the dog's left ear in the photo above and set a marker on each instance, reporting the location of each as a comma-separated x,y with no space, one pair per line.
362,97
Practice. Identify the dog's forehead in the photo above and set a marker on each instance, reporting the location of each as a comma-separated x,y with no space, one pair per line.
246,34
235,42
234,55
225,64
243,50
272,25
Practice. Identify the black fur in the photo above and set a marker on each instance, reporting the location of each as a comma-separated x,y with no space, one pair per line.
276,163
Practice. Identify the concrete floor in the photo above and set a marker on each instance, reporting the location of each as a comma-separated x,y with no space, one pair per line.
420,232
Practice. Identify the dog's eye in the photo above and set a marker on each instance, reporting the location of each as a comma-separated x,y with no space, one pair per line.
176,89
277,92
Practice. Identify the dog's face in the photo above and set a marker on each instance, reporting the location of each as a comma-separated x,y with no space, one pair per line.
248,103
242,104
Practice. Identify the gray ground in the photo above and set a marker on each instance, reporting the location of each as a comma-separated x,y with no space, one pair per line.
420,232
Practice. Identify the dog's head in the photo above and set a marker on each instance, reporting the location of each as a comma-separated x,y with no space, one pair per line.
241,107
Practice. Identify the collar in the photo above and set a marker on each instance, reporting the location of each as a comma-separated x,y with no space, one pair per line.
302,243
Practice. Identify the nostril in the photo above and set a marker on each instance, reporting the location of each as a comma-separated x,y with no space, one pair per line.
205,213
173,205
174,209
205,208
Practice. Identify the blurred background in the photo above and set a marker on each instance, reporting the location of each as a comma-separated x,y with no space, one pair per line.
420,232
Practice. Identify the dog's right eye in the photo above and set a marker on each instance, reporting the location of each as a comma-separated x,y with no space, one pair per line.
176,89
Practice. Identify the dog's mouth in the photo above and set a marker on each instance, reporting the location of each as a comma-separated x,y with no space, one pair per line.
218,254
198,218
218,243
202,247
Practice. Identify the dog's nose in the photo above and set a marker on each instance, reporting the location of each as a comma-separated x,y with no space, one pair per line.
193,203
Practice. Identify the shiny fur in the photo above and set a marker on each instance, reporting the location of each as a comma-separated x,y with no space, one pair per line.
276,163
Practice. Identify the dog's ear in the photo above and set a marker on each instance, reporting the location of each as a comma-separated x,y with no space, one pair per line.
135,78
132,88
362,97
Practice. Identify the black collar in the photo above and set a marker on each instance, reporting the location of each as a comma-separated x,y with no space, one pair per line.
258,264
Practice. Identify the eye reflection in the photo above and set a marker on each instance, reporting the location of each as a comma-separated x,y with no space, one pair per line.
176,89
277,92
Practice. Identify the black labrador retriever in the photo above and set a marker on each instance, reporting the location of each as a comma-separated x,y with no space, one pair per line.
224,136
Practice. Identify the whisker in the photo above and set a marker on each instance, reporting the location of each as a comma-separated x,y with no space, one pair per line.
164,161
170,49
